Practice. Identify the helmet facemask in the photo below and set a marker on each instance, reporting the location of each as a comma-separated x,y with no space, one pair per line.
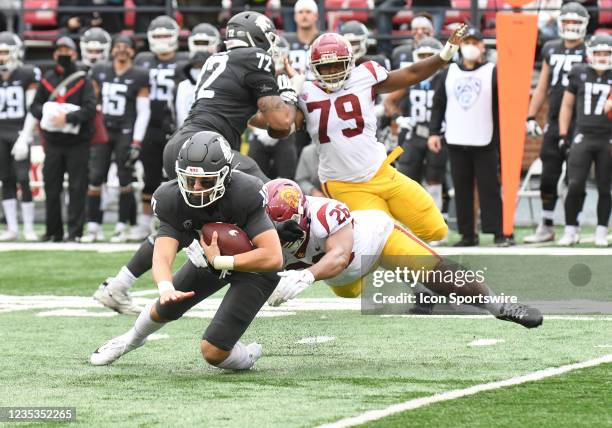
162,40
599,57
572,26
9,57
200,188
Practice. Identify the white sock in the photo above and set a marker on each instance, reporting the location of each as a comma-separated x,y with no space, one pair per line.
547,215
124,279
93,227
144,220
10,213
238,359
572,230
144,326
27,212
435,190
601,231
120,227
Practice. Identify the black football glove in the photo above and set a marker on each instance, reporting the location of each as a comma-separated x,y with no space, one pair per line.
133,154
289,231
564,145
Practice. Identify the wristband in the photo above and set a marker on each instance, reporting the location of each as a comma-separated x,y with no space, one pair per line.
164,286
531,118
223,262
448,52
297,82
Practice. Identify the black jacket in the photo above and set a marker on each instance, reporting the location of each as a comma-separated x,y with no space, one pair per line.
79,92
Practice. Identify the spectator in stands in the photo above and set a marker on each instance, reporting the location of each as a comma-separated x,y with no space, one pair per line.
437,14
548,12
384,14
307,172
65,105
192,18
466,99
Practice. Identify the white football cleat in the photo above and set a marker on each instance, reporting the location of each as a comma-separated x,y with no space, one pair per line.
542,234
90,237
115,298
570,237
8,235
112,350
138,233
255,352
601,236
119,237
31,236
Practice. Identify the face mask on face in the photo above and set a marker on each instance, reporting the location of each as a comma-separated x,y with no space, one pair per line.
65,62
470,52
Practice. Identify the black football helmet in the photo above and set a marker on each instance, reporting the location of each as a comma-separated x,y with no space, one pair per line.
95,46
598,44
251,29
402,56
357,34
11,51
428,46
204,38
203,168
163,34
572,21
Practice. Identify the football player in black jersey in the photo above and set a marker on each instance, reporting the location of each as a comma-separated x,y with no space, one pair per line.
18,84
357,34
124,96
95,46
588,89
204,38
235,84
411,108
207,190
558,58
162,63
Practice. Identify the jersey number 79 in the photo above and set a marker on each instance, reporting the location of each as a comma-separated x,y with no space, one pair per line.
340,107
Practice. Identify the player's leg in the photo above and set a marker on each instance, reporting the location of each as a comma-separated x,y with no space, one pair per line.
285,158
220,344
578,167
260,153
248,166
22,171
99,163
9,191
410,203
356,196
77,188
603,167
155,315
53,173
435,180
412,162
348,291
127,201
486,163
152,160
552,164
404,250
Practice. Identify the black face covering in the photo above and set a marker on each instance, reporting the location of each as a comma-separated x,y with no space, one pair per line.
65,63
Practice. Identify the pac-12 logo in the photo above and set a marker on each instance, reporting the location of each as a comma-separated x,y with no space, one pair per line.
467,90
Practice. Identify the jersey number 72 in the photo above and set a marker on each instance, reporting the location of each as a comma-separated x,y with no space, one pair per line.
340,106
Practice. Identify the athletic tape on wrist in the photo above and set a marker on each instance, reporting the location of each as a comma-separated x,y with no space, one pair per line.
449,51
223,262
164,286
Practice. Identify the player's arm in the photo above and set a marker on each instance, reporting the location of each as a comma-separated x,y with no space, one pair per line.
421,70
279,115
267,255
259,121
164,253
338,249
565,114
539,94
391,102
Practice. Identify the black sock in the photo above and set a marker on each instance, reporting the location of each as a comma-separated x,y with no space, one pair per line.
126,206
142,260
94,213
548,222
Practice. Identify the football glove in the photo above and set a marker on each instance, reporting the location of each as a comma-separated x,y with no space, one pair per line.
292,283
533,127
564,145
21,148
195,252
289,231
133,154
285,90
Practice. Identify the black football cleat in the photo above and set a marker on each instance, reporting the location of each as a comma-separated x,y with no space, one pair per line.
521,314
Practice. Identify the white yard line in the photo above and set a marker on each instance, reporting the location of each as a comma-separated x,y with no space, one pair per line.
518,250
374,415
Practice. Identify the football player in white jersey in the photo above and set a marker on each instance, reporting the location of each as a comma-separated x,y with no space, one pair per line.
338,110
323,240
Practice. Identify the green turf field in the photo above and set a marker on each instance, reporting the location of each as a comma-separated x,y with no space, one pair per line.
372,362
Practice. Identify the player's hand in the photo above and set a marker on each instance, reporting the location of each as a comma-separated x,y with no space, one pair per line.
458,35
292,283
405,122
21,148
133,153
285,89
174,296
564,145
289,231
211,251
195,252
533,127
434,143
291,72
59,119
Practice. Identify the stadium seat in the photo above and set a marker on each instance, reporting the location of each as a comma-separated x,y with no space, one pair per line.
605,16
336,17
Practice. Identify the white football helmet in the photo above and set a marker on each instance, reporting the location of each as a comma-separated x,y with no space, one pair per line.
428,46
204,38
600,43
95,46
163,34
11,51
357,34
572,21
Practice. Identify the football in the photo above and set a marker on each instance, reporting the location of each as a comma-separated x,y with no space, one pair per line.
230,238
